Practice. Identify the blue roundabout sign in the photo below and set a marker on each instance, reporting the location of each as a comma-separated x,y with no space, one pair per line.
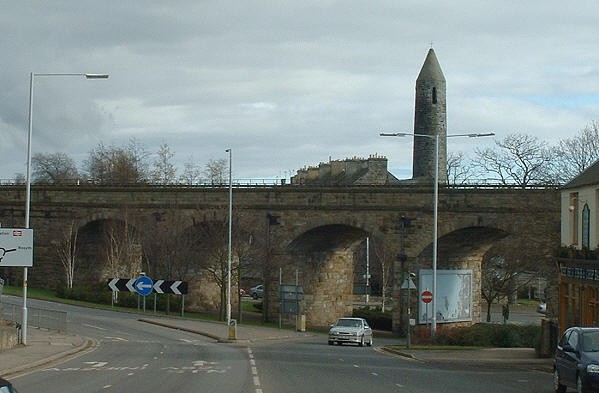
143,285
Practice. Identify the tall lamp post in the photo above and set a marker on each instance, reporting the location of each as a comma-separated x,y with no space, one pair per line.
32,77
435,208
229,244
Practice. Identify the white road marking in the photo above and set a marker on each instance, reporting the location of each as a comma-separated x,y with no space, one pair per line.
116,338
256,381
94,327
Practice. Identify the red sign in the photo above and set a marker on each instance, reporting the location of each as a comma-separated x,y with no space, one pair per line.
427,296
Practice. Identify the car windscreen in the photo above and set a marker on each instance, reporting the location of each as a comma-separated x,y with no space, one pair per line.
348,323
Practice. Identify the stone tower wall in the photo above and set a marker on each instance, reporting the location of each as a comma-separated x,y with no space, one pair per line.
430,118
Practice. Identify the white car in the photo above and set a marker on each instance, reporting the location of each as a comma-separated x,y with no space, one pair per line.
350,330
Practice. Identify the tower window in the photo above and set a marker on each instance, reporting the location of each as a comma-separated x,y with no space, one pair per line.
434,95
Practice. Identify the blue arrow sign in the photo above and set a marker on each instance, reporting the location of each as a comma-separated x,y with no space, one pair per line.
143,285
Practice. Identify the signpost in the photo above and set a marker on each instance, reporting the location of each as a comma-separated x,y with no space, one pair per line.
144,286
427,297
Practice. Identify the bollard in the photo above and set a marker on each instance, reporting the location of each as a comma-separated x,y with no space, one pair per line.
233,329
301,323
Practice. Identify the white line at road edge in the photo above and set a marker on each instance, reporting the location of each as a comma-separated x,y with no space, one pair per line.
254,370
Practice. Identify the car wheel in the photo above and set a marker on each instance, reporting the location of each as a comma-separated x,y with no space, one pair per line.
362,341
370,342
579,388
255,296
557,386
331,342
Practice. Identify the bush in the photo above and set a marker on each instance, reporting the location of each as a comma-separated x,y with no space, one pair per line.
491,335
376,318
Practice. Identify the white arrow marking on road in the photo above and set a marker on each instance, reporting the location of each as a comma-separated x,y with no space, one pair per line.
157,285
112,284
130,285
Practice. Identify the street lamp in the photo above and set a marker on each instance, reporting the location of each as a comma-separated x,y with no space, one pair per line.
32,76
229,245
436,207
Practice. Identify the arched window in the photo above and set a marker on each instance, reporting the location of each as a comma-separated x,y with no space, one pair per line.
434,95
586,223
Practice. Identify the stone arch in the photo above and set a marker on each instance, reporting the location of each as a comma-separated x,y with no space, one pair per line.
462,248
107,247
324,255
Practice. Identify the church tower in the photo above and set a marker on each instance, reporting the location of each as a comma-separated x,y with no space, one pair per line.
430,118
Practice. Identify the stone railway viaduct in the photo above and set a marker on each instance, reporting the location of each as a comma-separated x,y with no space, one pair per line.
318,228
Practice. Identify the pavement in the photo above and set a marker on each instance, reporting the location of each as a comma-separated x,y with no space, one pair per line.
45,347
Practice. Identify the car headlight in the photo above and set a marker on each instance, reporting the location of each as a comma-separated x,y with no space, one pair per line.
593,368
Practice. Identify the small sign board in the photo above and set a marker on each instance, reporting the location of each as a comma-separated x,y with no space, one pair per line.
16,247
427,296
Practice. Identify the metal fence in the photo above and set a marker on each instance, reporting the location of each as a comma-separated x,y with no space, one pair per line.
38,317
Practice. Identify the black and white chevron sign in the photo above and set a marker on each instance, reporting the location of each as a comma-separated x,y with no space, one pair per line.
176,287
160,286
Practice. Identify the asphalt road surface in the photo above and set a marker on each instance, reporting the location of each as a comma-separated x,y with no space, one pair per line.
314,366
132,356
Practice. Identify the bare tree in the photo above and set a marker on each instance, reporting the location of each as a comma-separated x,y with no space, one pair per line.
54,168
574,155
192,173
164,171
385,256
459,170
519,159
510,266
117,165
216,171
66,248
122,250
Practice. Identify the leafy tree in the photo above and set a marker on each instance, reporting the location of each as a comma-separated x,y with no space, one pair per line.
574,155
53,168
519,159
164,171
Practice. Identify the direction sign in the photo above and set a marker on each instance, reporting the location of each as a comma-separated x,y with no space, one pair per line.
143,285
16,247
159,286
427,296
176,287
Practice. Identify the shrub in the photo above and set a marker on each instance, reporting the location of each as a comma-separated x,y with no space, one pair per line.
376,318
491,335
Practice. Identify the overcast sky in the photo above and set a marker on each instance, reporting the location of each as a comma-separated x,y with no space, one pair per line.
289,84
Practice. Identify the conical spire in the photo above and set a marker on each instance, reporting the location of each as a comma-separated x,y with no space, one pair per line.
431,69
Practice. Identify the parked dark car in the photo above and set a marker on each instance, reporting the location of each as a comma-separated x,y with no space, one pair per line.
576,361
6,387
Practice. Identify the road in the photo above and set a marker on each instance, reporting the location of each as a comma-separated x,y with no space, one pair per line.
139,357
309,366
133,356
